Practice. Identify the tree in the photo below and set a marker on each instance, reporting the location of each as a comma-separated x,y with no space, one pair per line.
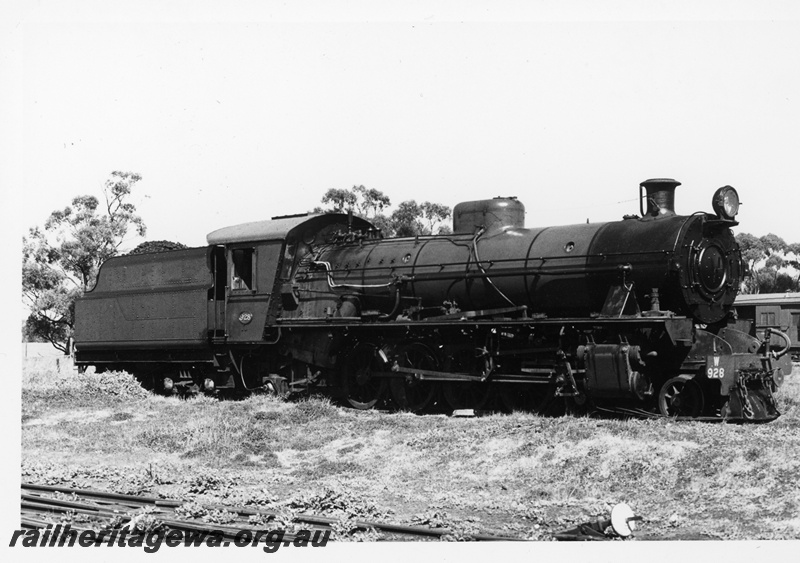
793,249
406,219
409,219
426,218
372,202
61,262
752,249
340,200
435,214
773,243
769,266
367,203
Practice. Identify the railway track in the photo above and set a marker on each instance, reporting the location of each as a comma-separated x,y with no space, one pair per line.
43,506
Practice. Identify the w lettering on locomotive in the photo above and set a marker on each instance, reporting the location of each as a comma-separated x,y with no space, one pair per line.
632,316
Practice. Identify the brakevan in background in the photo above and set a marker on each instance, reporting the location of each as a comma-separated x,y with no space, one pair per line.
773,311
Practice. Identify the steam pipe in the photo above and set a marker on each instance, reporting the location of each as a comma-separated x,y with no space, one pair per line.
785,337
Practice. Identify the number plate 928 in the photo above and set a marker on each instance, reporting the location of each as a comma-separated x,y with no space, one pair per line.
717,367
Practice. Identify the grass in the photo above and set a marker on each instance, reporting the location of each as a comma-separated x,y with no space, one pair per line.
518,473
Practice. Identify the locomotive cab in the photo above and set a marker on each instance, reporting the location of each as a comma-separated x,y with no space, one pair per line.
262,259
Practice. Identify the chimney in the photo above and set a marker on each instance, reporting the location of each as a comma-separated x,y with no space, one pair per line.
660,196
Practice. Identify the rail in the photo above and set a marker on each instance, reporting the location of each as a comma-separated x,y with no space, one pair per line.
38,506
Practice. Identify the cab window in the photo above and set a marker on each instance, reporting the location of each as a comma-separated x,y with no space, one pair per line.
243,269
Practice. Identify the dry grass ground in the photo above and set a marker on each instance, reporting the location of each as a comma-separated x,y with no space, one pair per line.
518,474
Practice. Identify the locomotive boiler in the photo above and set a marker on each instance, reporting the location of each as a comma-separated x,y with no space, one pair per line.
632,316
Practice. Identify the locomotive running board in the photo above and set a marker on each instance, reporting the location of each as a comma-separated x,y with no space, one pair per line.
679,327
522,310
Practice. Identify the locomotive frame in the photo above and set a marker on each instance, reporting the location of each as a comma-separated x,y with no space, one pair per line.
631,316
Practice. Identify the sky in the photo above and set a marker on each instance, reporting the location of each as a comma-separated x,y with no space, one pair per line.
240,114
238,111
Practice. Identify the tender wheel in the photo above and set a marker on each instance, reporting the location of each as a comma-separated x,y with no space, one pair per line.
146,378
409,392
466,395
363,390
680,396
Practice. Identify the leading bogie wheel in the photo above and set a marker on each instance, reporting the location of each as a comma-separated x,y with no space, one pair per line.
681,396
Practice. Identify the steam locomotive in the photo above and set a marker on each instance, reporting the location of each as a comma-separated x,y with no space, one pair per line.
632,316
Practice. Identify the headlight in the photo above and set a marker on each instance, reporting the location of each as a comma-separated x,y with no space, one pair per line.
726,203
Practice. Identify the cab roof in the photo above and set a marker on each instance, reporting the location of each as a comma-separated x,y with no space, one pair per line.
280,228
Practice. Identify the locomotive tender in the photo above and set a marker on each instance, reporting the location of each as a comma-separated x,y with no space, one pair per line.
633,316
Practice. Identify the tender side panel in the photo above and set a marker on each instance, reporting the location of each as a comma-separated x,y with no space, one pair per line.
147,300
